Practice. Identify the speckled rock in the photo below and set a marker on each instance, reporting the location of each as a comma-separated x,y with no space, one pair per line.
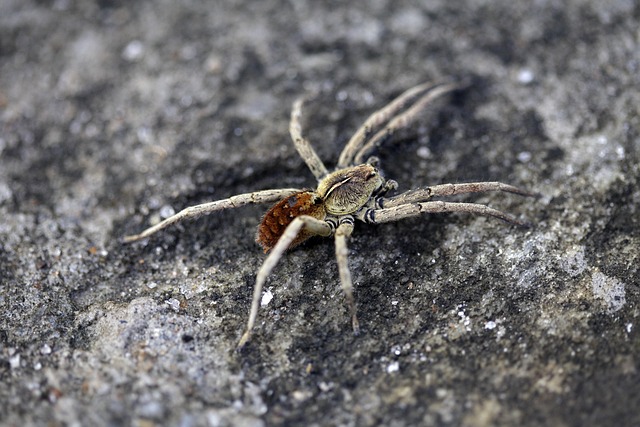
114,115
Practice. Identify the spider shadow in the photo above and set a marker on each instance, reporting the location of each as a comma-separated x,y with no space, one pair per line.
383,273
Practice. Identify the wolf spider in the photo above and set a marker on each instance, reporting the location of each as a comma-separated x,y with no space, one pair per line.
355,190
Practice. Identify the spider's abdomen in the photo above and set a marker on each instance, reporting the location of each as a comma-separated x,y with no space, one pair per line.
276,220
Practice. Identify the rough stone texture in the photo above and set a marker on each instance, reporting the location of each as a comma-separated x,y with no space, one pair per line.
114,114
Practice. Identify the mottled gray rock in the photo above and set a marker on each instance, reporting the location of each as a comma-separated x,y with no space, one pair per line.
116,114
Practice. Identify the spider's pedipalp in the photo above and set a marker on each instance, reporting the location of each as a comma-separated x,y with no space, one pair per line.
425,93
443,190
264,196
343,232
301,223
408,210
306,151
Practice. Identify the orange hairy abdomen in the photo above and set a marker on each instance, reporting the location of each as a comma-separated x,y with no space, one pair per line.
276,220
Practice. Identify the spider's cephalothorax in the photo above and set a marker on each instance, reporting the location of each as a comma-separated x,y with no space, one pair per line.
355,191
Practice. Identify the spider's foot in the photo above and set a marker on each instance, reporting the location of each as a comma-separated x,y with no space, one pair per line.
355,324
524,224
521,192
534,194
243,341
132,238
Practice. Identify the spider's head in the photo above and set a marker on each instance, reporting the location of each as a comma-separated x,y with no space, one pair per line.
347,190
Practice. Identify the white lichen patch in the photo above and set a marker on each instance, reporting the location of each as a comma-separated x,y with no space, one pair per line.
573,261
608,289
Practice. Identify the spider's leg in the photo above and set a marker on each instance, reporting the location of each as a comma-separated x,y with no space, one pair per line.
402,120
343,232
306,222
308,154
377,119
381,117
264,196
443,190
396,213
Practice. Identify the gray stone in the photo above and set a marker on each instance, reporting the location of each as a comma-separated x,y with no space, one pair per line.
116,114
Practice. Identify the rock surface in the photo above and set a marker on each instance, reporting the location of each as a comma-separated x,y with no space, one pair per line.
114,115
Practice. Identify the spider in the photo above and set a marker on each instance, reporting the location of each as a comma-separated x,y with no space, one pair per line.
355,190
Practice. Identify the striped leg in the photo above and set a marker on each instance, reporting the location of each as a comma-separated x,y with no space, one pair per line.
265,196
308,223
443,190
303,146
408,210
343,232
354,152
402,120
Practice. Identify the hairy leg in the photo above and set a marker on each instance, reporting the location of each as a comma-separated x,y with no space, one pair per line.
378,119
401,121
309,223
308,154
443,190
343,232
264,196
408,210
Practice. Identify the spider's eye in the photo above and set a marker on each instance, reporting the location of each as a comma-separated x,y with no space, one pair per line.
372,175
